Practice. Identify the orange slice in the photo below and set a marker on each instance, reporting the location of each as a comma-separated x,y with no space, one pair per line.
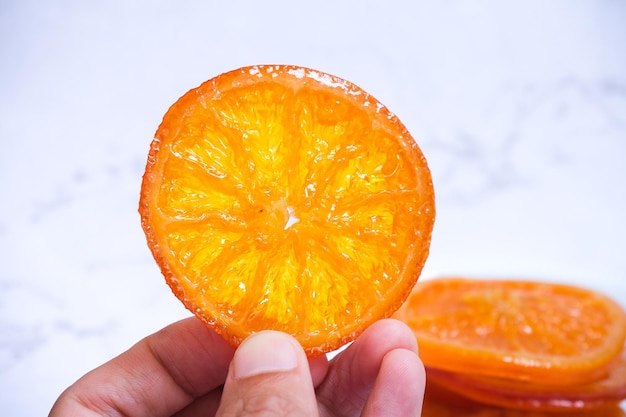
280,197
606,392
438,402
552,333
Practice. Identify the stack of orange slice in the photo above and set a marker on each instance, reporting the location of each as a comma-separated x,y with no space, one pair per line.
281,197
520,345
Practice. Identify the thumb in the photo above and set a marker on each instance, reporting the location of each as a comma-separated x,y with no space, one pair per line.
269,376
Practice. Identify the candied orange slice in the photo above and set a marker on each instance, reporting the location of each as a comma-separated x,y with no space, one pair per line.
552,333
280,197
606,392
438,402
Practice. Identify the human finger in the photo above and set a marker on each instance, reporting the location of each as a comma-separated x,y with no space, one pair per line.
208,404
318,365
353,372
158,376
399,387
269,376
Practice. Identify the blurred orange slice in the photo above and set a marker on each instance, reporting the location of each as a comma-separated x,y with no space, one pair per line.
522,330
600,394
440,402
281,197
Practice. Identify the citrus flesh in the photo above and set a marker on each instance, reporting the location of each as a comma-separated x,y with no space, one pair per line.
280,197
522,330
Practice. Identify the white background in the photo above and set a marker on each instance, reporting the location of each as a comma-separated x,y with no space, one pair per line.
519,107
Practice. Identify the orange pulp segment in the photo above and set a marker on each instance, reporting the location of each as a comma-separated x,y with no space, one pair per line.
281,197
524,330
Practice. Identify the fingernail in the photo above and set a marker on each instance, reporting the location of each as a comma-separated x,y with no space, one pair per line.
265,352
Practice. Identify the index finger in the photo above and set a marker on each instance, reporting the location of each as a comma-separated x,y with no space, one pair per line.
158,376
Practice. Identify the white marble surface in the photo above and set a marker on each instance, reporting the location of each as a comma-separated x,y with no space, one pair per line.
520,108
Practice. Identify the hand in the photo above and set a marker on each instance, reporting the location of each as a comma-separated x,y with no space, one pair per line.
188,370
